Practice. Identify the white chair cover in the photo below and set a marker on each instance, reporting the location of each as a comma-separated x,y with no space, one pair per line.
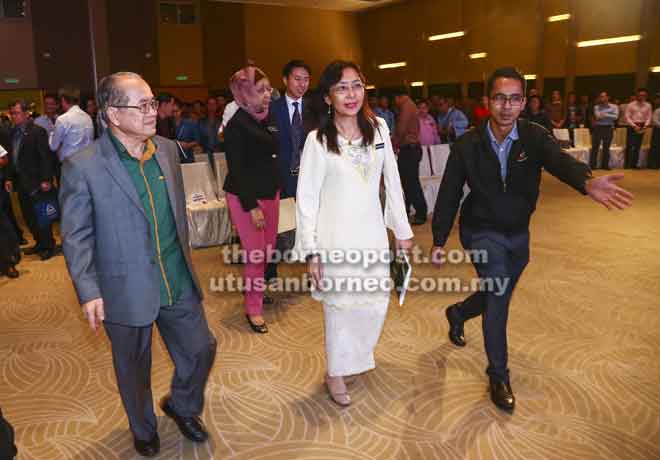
582,138
208,222
561,135
434,159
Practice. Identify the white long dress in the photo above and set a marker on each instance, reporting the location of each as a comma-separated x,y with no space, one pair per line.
339,213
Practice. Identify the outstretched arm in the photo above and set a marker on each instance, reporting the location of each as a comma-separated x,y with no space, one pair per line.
604,190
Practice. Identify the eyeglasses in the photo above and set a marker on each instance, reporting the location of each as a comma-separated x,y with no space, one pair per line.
144,107
343,89
501,99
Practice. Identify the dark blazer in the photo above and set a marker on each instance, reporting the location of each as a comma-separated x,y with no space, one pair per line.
280,113
6,144
35,160
493,204
251,149
106,237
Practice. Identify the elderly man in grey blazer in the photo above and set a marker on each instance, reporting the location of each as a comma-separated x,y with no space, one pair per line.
125,241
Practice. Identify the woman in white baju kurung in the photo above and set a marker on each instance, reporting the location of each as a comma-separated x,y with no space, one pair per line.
339,213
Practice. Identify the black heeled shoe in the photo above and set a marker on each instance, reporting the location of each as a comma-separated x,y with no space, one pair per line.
258,328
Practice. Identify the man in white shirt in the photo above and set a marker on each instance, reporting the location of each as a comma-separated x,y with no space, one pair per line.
74,129
638,118
47,120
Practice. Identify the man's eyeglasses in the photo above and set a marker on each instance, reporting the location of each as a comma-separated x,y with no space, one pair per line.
144,107
343,89
515,99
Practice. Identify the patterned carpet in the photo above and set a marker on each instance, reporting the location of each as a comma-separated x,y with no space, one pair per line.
584,348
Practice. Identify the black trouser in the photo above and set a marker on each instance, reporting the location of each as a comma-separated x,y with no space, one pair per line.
191,346
408,161
7,208
601,134
43,235
507,257
654,153
632,148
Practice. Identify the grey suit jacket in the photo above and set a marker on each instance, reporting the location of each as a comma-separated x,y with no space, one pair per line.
106,238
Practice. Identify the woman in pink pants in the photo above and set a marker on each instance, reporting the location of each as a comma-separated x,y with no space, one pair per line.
252,183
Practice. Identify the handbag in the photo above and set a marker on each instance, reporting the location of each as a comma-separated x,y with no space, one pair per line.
46,208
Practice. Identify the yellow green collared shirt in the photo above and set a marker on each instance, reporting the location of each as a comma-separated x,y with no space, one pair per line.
151,187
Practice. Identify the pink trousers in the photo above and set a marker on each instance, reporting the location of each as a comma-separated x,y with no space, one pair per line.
258,245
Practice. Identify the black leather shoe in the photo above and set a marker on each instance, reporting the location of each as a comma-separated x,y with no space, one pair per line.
47,254
258,328
502,396
23,241
148,448
417,221
11,272
31,250
456,332
191,427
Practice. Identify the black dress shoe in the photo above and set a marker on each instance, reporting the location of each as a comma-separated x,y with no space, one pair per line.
148,448
418,221
502,396
456,332
31,250
191,427
47,254
11,272
258,328
23,241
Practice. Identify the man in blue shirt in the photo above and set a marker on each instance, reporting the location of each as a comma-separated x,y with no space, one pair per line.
503,163
605,117
452,123
383,111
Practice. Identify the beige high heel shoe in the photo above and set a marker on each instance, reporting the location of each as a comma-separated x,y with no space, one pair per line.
337,389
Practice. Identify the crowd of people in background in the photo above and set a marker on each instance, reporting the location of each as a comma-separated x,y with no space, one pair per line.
43,141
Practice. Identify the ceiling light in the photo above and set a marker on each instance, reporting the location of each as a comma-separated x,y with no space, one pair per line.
610,41
433,38
392,65
559,17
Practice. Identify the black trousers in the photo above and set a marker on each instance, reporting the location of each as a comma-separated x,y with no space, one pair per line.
506,258
601,134
634,143
408,161
191,346
5,204
43,235
654,154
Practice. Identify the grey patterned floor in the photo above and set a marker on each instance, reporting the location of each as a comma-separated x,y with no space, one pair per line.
584,345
